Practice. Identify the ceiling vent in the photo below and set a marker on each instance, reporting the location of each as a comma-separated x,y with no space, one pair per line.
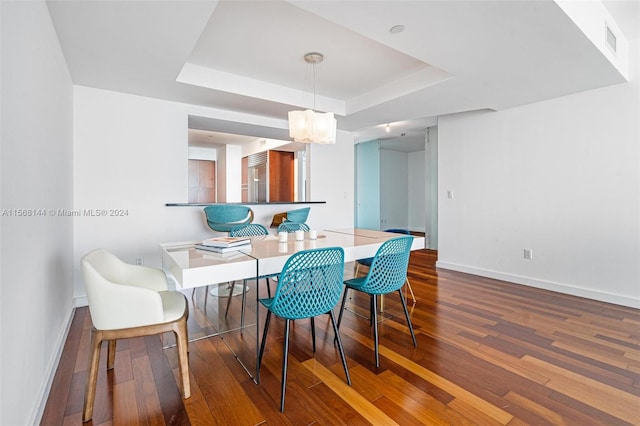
610,39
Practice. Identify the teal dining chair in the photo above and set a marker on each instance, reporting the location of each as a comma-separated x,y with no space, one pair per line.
309,285
293,227
298,215
248,230
388,273
367,261
223,217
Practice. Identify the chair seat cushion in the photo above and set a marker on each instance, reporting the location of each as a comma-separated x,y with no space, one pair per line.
365,262
173,303
355,283
267,302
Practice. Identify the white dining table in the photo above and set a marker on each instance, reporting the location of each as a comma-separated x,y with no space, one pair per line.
191,267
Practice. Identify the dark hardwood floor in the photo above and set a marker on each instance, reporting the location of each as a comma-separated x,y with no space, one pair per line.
489,352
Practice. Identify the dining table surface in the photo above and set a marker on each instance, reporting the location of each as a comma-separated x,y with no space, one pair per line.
192,267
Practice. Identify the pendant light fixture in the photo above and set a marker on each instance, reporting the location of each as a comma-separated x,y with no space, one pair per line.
310,126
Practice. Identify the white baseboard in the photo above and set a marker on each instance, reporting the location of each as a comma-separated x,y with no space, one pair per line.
38,410
602,296
79,302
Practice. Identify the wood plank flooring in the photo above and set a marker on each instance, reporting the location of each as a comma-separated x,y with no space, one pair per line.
489,353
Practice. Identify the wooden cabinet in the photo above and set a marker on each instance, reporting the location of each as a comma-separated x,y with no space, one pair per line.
281,176
271,176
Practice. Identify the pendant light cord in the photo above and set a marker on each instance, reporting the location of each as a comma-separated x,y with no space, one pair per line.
314,86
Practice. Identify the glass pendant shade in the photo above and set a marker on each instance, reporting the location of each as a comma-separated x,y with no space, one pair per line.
312,127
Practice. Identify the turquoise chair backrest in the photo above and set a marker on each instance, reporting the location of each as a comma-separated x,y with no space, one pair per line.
310,283
388,271
292,227
298,215
248,230
223,217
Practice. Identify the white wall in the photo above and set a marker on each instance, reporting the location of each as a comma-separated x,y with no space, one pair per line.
199,153
229,174
332,180
131,153
561,177
37,162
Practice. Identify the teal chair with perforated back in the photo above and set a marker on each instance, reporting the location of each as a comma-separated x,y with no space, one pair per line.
388,273
293,227
223,217
367,261
253,230
309,285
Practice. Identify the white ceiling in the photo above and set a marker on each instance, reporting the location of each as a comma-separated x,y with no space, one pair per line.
247,56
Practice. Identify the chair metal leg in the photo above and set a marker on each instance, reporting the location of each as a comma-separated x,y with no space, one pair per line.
374,315
244,303
406,315
233,286
344,359
268,287
285,359
206,298
372,308
413,296
264,339
313,333
344,301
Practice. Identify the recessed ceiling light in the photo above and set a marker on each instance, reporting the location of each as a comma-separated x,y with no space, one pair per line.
396,29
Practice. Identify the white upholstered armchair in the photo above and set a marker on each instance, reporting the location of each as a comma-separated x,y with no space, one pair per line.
129,301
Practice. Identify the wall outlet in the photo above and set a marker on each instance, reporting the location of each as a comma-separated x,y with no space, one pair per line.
449,193
139,260
528,254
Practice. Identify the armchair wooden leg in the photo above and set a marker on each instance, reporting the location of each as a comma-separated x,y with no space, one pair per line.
94,359
182,344
111,354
